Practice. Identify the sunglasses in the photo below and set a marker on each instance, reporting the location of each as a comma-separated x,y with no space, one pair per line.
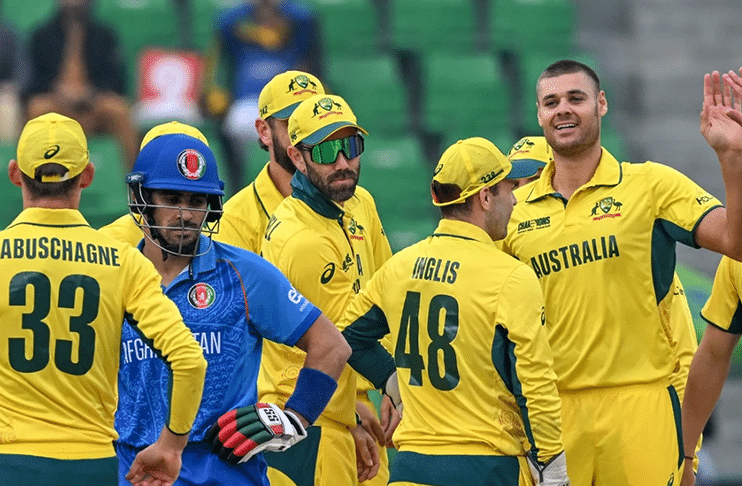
327,152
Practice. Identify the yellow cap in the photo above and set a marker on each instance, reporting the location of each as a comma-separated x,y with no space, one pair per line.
52,139
318,117
170,128
471,165
280,97
528,155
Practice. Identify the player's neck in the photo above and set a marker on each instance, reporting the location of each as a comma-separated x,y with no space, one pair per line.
573,171
281,178
169,267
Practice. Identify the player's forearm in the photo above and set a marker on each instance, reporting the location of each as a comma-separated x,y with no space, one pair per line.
731,171
706,379
188,368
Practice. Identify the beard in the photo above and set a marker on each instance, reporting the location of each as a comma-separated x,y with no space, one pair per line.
337,194
589,137
280,154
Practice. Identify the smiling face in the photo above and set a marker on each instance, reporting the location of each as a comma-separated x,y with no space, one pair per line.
569,111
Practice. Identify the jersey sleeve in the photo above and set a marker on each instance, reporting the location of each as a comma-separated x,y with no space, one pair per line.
278,311
523,359
684,335
363,325
723,308
680,203
157,319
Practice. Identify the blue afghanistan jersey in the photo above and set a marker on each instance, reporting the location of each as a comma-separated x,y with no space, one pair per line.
230,299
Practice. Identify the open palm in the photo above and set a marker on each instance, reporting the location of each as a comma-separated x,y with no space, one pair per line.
721,116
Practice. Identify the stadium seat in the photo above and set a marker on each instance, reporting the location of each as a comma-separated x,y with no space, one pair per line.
24,17
466,93
347,27
10,195
546,26
373,87
106,198
432,25
503,138
394,170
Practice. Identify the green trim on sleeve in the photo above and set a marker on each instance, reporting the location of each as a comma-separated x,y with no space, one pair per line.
369,357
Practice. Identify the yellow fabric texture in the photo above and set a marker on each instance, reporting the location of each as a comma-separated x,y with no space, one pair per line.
67,287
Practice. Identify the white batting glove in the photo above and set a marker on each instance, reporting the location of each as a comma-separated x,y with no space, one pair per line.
552,473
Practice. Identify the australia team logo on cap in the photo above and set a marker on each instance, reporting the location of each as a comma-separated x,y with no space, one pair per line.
327,105
299,85
201,295
191,164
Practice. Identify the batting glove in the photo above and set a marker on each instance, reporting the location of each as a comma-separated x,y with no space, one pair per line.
391,389
552,473
241,433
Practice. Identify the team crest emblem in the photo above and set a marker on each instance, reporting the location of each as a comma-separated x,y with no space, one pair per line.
191,164
606,204
201,295
302,82
326,104
520,145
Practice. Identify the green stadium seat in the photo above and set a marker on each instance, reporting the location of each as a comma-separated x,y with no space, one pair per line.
10,195
517,26
348,27
25,17
394,170
503,138
466,93
106,198
140,24
432,25
373,87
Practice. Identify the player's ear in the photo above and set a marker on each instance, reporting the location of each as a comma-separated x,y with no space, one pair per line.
264,130
297,158
14,173
602,103
87,175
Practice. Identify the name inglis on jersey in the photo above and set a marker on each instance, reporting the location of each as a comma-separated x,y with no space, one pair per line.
435,270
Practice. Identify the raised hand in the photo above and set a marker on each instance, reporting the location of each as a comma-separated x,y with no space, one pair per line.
721,116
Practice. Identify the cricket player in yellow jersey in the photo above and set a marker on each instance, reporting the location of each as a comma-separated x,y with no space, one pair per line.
67,289
246,214
600,236
472,359
711,362
327,239
529,156
124,228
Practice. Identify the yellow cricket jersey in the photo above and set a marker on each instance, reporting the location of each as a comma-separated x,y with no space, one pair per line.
124,229
471,351
723,309
246,213
605,260
684,337
65,289
328,253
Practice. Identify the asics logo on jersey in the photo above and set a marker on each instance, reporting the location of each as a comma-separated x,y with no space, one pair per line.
51,152
327,273
610,208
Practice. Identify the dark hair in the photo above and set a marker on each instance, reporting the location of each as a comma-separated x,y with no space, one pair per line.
38,189
569,66
450,192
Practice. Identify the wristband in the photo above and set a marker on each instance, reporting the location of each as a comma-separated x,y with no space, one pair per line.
313,391
691,458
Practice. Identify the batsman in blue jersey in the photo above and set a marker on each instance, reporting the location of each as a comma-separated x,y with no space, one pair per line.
231,299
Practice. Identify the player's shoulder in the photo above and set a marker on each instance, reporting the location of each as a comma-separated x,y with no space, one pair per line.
236,202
